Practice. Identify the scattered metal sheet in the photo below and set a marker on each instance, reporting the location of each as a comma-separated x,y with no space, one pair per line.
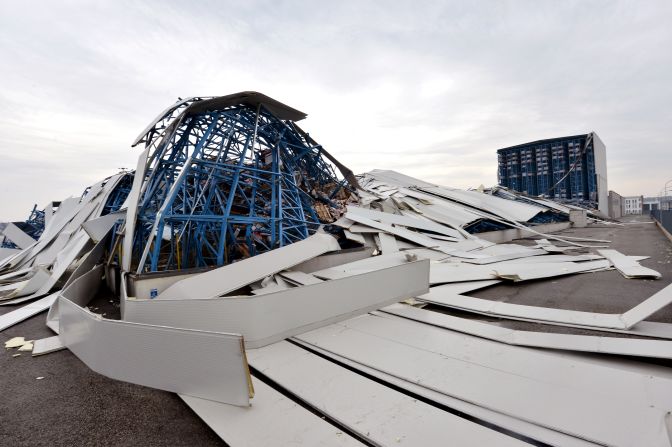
526,272
625,321
627,266
355,237
17,316
409,235
299,278
29,286
98,228
569,342
17,236
272,419
406,221
532,431
131,206
375,412
86,264
376,262
448,272
265,319
210,365
228,278
47,345
506,257
551,390
7,253
554,258
388,244
334,258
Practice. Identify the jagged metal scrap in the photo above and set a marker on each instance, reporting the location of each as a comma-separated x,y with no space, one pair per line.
33,227
227,178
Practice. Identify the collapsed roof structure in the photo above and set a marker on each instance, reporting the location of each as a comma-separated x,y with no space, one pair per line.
250,277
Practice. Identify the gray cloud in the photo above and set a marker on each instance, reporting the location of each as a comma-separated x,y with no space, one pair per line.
430,88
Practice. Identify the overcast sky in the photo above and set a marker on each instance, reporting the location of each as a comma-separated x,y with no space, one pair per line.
431,89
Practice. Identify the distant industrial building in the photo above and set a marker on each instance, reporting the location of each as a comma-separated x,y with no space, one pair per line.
569,169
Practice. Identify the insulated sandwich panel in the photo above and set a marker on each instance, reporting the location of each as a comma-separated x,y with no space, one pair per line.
447,297
267,318
380,414
628,266
514,425
16,235
569,342
537,386
210,365
228,278
271,420
406,221
17,316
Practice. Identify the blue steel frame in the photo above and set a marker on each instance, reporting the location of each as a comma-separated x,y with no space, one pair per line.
33,227
227,184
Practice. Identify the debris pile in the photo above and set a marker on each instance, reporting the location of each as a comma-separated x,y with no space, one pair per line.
71,229
245,267
31,227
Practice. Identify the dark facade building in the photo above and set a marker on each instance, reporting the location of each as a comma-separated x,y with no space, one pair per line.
569,169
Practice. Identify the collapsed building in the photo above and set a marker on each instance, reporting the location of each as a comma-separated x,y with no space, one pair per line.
253,270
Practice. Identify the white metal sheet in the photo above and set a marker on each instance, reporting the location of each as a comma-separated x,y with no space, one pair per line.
376,412
584,343
537,386
47,345
627,266
210,365
272,420
447,297
388,243
506,257
524,428
406,221
99,227
526,272
28,286
300,278
223,280
16,316
16,235
264,319
448,272
409,235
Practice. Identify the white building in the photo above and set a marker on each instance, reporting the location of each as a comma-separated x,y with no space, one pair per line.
632,205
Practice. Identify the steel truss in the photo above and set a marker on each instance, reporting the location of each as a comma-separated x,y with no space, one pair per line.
227,184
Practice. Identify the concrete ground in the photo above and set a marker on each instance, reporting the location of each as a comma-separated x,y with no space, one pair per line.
603,292
72,405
